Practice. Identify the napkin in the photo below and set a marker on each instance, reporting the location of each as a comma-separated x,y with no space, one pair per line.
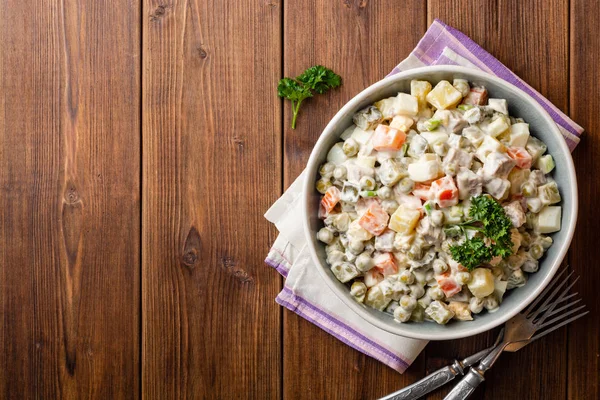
304,291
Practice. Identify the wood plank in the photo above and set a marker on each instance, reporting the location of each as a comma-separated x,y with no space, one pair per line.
211,167
70,199
537,51
355,39
584,335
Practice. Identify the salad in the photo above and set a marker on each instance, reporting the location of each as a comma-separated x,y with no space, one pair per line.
437,202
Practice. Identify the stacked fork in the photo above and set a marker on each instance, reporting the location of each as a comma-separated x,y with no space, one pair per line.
541,317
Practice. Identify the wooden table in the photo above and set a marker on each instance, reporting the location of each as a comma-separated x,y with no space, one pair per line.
140,144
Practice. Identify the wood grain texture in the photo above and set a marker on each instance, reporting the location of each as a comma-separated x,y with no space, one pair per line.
584,335
70,199
522,38
211,167
356,40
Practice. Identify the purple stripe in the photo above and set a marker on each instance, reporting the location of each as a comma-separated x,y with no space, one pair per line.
342,324
277,266
503,72
394,362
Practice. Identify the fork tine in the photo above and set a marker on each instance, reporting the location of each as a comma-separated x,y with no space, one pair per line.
560,300
543,294
554,312
549,298
556,319
555,327
551,306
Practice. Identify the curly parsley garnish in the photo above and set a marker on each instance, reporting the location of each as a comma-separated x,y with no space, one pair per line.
488,218
315,79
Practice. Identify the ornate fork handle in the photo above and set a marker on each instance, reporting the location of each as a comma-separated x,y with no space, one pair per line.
427,384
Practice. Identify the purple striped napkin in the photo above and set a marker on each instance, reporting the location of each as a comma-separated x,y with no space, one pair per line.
304,292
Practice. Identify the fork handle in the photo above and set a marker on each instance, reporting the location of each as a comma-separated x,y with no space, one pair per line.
466,386
427,384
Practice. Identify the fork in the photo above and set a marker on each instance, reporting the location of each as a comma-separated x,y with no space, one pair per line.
525,327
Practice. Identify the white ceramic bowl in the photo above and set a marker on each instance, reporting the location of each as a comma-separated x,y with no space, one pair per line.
541,126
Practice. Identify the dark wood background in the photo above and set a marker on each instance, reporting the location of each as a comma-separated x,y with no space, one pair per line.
140,144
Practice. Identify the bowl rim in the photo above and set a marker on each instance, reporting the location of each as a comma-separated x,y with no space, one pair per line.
311,169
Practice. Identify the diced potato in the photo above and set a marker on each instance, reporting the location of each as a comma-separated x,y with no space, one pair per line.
481,283
439,312
404,219
424,171
357,232
549,219
517,177
375,298
444,96
461,310
361,136
348,132
519,134
545,164
435,137
499,289
500,105
497,127
402,123
462,85
474,135
365,161
387,107
344,272
534,204
406,104
489,145
420,90
549,193
336,155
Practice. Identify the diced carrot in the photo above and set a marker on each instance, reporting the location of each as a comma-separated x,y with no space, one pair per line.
521,157
374,220
449,286
476,97
329,201
372,277
386,264
422,191
445,192
388,139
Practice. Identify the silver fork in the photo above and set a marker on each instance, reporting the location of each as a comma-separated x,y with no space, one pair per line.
529,325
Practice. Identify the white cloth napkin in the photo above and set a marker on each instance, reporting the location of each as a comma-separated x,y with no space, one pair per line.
304,292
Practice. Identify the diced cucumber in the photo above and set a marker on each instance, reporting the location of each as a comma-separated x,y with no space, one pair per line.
545,164
535,147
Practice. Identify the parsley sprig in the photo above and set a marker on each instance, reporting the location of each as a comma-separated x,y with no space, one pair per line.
489,218
315,79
